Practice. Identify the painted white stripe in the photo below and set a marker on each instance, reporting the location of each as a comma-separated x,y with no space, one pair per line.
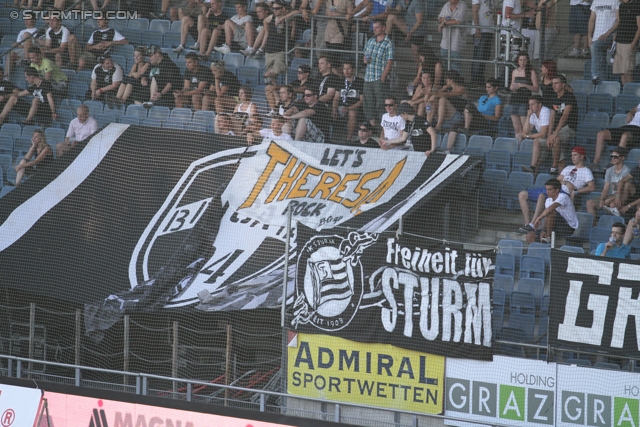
28,213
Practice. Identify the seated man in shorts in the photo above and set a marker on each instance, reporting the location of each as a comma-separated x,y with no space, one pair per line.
559,213
314,120
537,120
23,42
239,29
41,109
625,136
611,198
577,180
100,43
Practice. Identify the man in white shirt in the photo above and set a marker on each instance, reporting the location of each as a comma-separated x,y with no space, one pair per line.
274,132
238,29
454,12
602,27
392,126
559,213
80,129
538,120
27,35
577,180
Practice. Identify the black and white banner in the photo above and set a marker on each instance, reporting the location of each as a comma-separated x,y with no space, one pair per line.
595,303
150,218
410,292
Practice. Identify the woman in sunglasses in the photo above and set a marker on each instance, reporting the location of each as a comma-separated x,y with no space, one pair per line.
483,118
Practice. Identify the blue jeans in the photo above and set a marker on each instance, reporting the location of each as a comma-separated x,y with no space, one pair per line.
455,65
599,56
481,50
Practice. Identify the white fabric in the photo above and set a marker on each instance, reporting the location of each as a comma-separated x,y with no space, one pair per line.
614,178
268,133
241,21
580,178
485,14
65,34
81,131
116,36
117,75
22,34
543,120
455,34
566,208
605,11
636,117
517,10
579,2
392,126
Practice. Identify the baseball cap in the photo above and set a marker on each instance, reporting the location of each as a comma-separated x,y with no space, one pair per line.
406,108
580,150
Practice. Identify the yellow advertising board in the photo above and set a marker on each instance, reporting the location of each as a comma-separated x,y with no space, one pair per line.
340,370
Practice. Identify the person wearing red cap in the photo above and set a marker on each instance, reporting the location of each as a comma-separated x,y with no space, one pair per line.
576,180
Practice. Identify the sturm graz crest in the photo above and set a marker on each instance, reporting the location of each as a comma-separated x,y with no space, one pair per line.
329,281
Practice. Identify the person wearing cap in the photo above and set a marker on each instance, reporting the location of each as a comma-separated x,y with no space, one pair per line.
611,199
364,137
163,79
577,180
625,136
416,130
100,43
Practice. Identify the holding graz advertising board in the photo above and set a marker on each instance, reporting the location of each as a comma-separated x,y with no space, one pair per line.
594,303
409,292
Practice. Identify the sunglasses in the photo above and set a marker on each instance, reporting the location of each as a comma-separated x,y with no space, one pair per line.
363,130
389,105
614,156
307,95
276,8
302,72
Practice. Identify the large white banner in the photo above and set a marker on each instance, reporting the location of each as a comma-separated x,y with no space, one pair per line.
19,406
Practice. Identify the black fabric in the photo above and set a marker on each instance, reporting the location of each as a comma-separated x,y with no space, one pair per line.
100,36
559,104
593,303
323,83
276,40
628,12
201,74
350,92
378,288
166,72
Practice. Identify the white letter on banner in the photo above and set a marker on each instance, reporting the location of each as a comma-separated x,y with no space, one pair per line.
578,408
389,316
451,291
463,400
478,316
568,331
410,282
429,333
626,306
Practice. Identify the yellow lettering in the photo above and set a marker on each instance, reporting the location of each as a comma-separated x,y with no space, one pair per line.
363,192
328,180
296,192
343,186
278,155
384,185
287,178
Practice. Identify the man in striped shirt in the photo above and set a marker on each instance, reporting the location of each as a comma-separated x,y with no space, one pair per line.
378,55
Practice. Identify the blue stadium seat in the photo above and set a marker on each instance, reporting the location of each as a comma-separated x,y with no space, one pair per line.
152,122
140,24
176,26
521,158
6,144
516,182
619,120
631,88
599,119
78,90
253,62
173,124
585,222
6,190
543,250
606,221
133,36
234,58
121,60
160,113
129,120
513,335
459,145
522,303
598,235
136,111
27,131
151,37
71,105
105,119
600,103
625,102
117,110
248,75
505,264
21,146
610,87
84,76
181,114
171,40
499,299
483,142
534,286
499,159
505,127
569,248
544,306
526,146
12,130
197,127
524,322
6,161
231,68
506,144
205,117
55,134
532,267
490,190
582,86
95,107
581,98
161,25
64,117
503,282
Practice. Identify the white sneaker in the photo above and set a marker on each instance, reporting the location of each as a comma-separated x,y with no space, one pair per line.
575,53
224,49
247,52
179,49
258,54
612,211
195,46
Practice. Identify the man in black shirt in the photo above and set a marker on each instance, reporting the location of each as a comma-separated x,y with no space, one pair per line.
325,83
210,28
348,99
313,123
197,78
105,80
364,137
41,109
627,36
7,88
164,78
100,43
